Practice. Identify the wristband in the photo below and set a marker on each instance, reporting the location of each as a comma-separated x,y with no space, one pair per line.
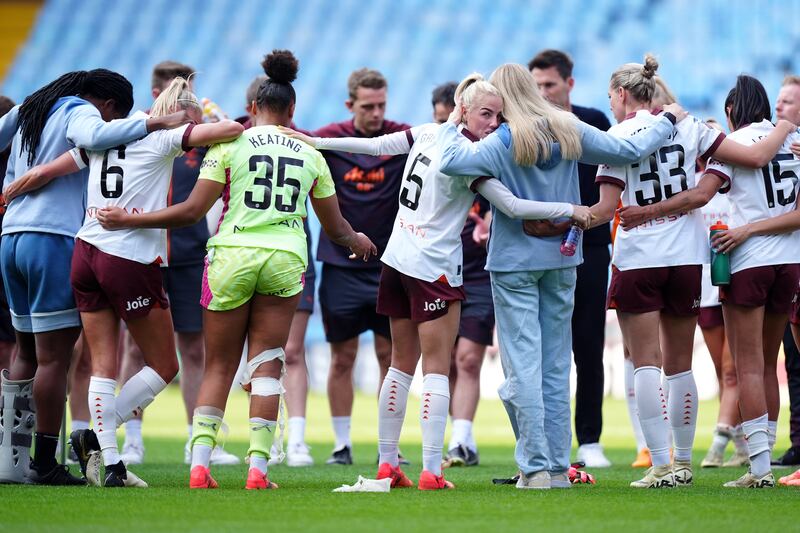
672,118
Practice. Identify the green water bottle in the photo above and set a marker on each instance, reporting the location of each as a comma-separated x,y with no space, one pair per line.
720,262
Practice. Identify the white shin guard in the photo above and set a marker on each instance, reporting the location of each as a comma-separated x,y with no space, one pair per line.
17,418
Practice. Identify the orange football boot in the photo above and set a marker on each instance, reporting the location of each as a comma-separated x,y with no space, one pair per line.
200,478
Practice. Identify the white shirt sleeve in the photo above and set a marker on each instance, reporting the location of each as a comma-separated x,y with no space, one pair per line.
78,157
514,207
390,144
170,142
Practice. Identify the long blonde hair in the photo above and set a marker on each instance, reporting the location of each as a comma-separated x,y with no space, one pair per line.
535,123
639,80
473,87
176,96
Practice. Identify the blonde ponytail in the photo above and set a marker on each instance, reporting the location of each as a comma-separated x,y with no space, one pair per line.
176,96
473,87
535,123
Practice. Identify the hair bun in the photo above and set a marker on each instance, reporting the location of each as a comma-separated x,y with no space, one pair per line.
281,66
650,66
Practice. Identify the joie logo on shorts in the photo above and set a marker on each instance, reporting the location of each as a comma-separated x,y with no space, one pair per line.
138,303
696,303
435,305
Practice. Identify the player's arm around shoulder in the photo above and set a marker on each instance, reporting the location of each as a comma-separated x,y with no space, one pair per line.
213,133
40,175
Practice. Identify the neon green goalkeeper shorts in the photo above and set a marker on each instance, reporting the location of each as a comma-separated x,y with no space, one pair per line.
233,274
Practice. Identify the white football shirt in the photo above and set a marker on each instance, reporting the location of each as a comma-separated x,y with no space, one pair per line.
426,237
671,240
758,194
135,177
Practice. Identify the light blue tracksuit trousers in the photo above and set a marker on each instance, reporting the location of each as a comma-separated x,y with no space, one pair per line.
534,326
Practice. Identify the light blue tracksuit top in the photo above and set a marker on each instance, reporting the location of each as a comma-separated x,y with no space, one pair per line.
59,206
555,180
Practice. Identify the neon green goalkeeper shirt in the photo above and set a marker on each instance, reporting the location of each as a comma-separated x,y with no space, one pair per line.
267,178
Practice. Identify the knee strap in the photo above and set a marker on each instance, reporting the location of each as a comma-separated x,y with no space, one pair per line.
266,387
264,357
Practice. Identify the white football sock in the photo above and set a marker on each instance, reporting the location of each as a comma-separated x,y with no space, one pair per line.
633,411
772,426
189,431
682,409
652,406
297,430
471,444
723,434
433,419
201,455
76,425
341,429
102,406
757,433
133,430
739,440
391,413
137,393
462,433
259,462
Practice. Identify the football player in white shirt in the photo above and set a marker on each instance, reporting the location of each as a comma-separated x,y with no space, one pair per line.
655,284
116,274
712,325
421,282
764,270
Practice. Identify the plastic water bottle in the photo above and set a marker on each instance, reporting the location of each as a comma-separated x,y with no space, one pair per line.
720,262
570,241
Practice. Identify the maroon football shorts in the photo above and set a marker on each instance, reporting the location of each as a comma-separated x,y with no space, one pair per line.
710,317
674,290
104,281
401,296
771,286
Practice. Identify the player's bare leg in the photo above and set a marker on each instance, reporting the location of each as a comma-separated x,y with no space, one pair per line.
745,335
268,331
677,343
225,333
436,342
296,384
469,355
641,334
340,397
393,399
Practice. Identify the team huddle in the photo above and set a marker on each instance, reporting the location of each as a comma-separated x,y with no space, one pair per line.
431,236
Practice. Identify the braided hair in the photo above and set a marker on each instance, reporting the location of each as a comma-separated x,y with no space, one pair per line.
99,83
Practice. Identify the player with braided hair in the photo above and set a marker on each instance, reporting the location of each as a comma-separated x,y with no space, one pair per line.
255,262
38,238
117,275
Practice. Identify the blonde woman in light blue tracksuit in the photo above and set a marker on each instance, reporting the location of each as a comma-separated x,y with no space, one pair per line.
535,155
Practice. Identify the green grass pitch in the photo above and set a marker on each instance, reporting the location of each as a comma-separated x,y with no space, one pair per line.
305,500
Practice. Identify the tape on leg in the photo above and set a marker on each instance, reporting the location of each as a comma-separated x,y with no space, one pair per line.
264,357
265,387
